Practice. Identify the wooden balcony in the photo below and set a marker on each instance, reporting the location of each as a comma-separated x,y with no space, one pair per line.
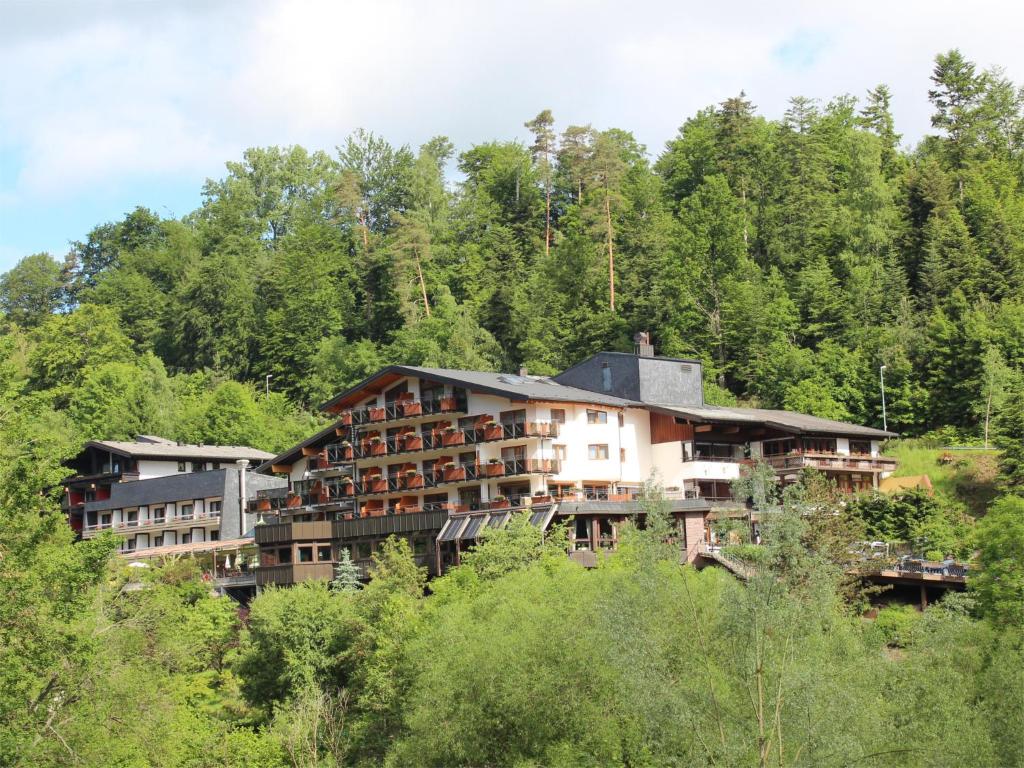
436,440
403,409
831,462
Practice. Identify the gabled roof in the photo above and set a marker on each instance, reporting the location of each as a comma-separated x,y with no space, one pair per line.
786,421
150,448
512,386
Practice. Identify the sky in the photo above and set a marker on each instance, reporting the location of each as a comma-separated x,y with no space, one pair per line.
108,105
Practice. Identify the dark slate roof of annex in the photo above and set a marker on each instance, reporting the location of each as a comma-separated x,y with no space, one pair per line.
162,490
787,421
165,449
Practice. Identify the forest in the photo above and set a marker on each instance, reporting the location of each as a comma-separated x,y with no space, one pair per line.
794,257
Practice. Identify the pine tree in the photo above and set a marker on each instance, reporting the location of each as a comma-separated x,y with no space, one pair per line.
346,574
1010,437
956,97
877,117
544,147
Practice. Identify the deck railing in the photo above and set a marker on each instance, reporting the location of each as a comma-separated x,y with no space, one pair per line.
337,454
831,461
403,409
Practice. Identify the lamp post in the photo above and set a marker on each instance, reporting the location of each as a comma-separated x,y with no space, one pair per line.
881,379
268,377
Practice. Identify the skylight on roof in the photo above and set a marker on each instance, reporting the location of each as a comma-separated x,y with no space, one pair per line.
508,378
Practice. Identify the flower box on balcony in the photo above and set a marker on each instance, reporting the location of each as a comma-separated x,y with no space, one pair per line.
453,473
448,404
346,418
412,408
498,502
494,468
542,498
493,431
379,448
412,442
376,413
293,500
376,485
453,436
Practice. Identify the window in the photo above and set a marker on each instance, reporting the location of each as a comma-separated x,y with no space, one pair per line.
215,465
133,517
595,492
509,418
181,466
560,452
622,454
284,555
158,541
214,535
860,446
622,419
105,519
90,495
323,553
186,511
363,550
419,546
714,451
305,554
558,415
158,515
606,377
597,417
197,466
597,451
186,538
216,506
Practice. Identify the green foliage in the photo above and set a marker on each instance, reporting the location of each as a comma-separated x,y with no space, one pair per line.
897,624
999,582
32,290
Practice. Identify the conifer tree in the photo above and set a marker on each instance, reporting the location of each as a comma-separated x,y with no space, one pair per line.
346,574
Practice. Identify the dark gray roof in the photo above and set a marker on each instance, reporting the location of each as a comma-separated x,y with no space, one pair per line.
161,490
788,421
509,385
157,448
173,488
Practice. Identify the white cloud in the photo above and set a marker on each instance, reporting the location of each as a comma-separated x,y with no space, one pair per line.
145,89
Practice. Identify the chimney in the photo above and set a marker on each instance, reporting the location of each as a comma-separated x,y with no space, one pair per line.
522,371
642,344
243,465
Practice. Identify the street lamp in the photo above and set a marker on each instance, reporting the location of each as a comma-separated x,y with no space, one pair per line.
881,379
269,377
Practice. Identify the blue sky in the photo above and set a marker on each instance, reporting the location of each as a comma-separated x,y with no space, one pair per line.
107,105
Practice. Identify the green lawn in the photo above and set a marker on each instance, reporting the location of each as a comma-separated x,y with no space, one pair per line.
969,478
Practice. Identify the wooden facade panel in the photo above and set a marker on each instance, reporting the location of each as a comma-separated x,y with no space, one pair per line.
665,429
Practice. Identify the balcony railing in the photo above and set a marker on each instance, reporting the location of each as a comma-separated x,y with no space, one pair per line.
337,454
151,524
317,492
831,461
403,409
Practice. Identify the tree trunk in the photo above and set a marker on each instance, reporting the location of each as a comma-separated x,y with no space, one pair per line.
611,250
547,218
423,285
